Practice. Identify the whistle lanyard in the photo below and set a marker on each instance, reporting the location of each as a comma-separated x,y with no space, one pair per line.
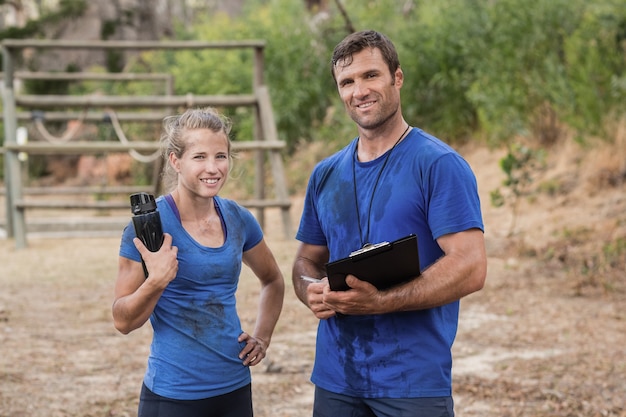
364,238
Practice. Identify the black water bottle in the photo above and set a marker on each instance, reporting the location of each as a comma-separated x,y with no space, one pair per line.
147,222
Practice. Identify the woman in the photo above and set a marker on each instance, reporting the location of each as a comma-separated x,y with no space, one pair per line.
199,357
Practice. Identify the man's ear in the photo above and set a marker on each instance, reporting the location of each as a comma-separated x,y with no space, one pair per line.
398,78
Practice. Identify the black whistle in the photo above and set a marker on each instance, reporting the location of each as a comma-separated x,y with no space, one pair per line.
147,223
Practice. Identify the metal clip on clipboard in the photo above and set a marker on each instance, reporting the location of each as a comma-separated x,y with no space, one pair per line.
368,247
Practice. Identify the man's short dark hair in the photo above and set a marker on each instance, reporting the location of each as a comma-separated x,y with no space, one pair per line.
357,41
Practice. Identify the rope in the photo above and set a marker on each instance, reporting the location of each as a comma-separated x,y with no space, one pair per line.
122,137
69,133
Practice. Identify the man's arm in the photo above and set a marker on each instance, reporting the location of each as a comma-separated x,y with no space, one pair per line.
461,271
311,261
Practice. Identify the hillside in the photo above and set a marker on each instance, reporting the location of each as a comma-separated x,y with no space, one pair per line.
573,217
545,337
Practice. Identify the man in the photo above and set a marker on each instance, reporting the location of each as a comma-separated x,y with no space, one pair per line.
387,353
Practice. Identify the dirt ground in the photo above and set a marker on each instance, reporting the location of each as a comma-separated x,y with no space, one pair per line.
545,337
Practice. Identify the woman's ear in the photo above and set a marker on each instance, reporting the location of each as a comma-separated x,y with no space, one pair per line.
174,162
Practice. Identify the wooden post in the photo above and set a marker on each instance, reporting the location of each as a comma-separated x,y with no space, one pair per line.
270,134
259,183
16,226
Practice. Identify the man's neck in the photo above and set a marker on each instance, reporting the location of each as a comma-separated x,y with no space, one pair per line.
373,144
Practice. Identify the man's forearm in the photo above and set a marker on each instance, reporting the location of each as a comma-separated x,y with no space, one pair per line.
447,280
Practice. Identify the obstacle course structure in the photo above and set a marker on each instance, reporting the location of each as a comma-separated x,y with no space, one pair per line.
40,109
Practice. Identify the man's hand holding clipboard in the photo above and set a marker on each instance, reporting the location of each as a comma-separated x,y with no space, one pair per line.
383,265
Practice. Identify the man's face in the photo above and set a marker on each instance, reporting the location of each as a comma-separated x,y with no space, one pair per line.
368,91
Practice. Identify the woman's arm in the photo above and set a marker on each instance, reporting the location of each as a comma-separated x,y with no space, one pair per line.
263,264
135,295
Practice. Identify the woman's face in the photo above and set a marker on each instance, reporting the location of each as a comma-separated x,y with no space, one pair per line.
203,167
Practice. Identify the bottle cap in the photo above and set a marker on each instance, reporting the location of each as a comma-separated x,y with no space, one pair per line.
141,203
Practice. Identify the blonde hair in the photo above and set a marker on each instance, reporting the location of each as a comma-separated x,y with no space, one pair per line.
173,137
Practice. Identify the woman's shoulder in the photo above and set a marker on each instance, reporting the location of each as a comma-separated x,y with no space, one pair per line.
232,208
228,203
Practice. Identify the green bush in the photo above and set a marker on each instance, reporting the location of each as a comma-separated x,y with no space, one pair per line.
473,69
595,53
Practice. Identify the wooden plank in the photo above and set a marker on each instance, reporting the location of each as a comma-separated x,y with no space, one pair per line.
78,190
92,76
92,116
46,148
189,100
133,45
55,204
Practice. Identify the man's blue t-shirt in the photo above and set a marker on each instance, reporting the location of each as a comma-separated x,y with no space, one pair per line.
194,350
425,188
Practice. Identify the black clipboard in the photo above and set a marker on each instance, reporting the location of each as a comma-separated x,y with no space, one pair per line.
383,265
